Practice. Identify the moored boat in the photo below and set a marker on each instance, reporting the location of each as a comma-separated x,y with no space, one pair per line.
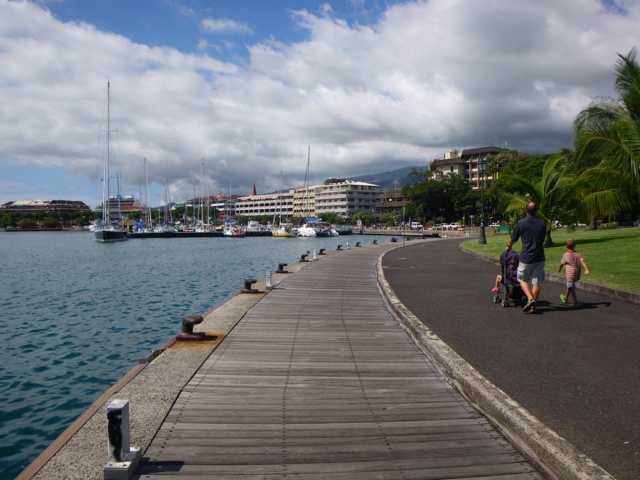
108,230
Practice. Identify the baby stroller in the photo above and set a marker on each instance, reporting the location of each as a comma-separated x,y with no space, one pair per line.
510,293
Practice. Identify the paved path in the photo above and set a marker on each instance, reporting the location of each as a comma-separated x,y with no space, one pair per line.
577,370
319,381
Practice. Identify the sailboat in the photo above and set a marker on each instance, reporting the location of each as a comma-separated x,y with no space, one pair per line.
231,228
108,230
308,229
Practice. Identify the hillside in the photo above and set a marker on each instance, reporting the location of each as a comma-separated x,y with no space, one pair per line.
387,180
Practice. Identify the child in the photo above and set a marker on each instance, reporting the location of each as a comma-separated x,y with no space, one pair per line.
573,263
509,261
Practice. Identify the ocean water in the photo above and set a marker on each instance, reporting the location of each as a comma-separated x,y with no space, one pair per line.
75,315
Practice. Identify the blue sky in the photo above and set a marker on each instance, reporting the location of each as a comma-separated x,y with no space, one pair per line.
245,86
177,23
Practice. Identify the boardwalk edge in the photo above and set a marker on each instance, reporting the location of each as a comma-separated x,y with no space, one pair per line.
548,451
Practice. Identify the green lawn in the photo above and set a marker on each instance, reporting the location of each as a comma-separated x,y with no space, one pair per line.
613,256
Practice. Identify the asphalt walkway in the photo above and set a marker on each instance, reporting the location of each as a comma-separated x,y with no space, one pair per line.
319,381
577,370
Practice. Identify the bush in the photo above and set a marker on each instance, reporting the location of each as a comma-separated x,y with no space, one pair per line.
27,223
609,225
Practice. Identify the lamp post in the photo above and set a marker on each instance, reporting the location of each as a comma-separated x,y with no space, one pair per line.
483,233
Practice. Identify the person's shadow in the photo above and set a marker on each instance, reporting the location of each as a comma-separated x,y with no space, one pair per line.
545,306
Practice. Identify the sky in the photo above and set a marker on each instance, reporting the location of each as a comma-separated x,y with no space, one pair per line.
220,94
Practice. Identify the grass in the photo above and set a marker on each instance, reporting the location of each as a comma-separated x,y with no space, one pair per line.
613,256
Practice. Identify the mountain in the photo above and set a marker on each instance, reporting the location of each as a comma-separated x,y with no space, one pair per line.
387,180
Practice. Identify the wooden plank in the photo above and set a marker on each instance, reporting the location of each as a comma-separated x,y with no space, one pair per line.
319,380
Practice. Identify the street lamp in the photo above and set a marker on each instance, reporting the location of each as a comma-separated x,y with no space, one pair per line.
483,233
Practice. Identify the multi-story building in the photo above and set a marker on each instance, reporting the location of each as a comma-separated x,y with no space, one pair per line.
391,202
48,207
304,201
122,206
278,203
470,163
345,197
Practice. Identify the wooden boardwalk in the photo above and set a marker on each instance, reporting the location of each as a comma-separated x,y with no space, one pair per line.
319,381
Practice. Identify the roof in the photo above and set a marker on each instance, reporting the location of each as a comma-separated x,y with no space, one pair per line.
469,152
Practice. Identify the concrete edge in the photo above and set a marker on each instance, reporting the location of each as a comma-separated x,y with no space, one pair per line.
554,277
549,452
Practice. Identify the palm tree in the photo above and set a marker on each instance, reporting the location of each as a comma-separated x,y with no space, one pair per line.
608,131
565,190
549,193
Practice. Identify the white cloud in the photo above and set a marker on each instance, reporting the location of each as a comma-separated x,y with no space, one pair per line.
225,25
425,77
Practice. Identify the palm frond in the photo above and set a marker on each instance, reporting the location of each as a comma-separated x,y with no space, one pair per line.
628,82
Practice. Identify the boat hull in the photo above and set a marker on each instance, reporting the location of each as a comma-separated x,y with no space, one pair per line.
105,236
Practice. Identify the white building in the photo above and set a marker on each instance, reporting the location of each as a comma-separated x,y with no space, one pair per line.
345,197
278,203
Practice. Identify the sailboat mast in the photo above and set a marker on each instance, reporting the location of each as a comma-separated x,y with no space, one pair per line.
105,191
306,182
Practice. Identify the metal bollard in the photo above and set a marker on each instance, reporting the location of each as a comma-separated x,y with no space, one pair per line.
315,255
122,458
348,246
358,244
248,286
281,268
187,332
375,242
303,257
394,239
267,281
339,247
322,251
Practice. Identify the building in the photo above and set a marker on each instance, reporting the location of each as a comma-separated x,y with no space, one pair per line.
122,206
470,163
304,201
277,203
391,202
45,207
345,197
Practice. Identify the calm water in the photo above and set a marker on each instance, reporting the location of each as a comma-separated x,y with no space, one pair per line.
75,315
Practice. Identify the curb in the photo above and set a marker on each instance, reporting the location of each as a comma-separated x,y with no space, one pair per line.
549,452
586,286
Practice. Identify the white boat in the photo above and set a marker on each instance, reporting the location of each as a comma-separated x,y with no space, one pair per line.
108,230
232,230
256,227
307,230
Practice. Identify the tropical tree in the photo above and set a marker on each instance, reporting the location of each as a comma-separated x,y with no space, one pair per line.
549,192
564,192
608,131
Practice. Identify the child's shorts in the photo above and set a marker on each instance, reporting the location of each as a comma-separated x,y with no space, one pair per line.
572,284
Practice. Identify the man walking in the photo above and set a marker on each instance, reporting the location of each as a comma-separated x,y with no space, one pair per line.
533,231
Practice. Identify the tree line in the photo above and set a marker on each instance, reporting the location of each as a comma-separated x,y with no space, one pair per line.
597,180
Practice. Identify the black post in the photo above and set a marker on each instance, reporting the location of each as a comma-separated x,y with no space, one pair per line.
483,233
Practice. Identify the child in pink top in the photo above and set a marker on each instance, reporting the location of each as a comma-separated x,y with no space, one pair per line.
573,263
